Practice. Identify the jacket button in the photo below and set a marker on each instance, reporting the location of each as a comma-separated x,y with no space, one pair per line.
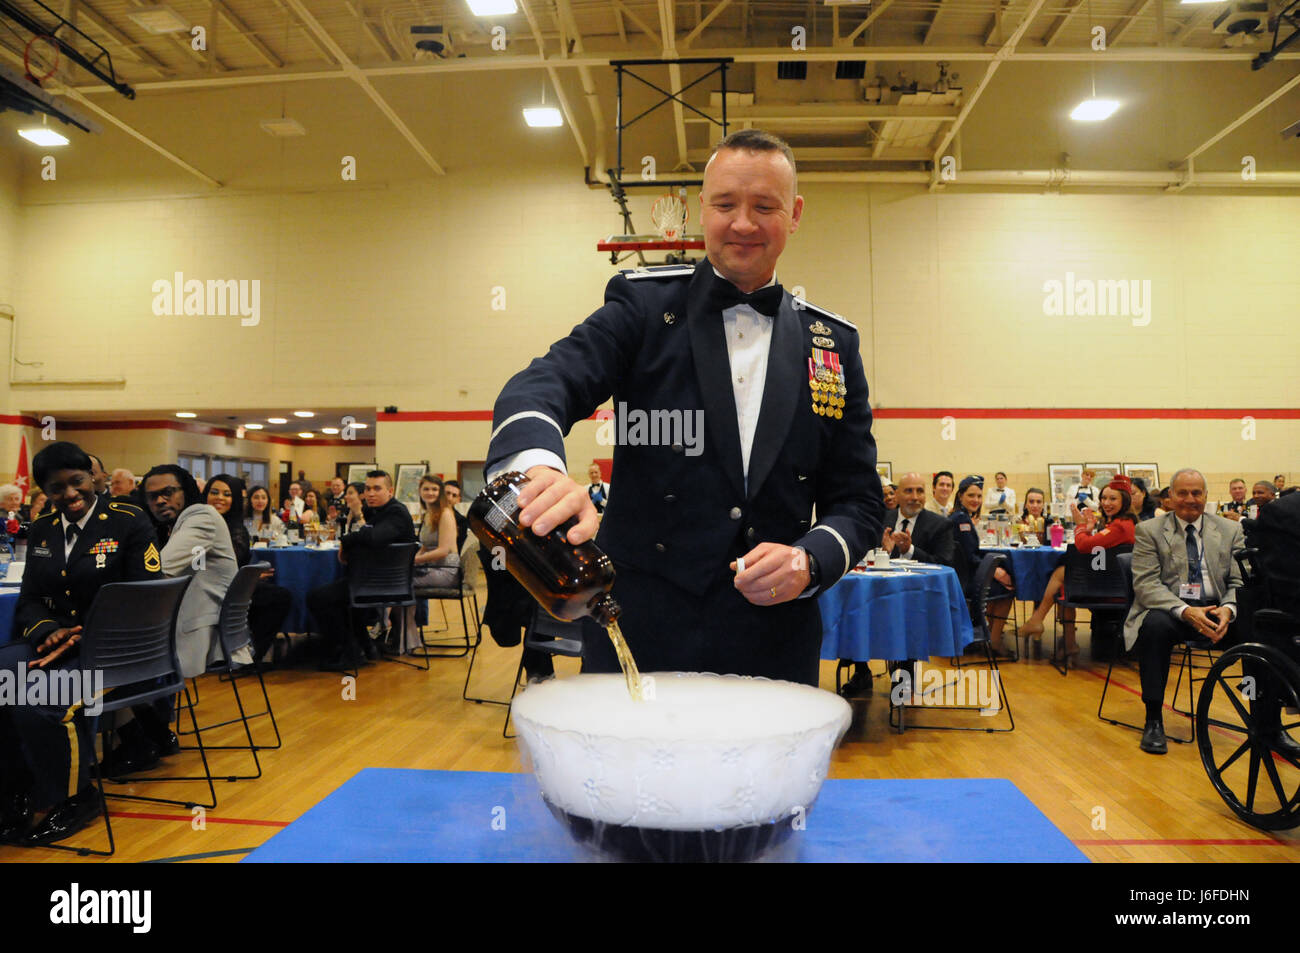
749,534
670,498
63,572
678,448
660,547
67,592
74,611
735,513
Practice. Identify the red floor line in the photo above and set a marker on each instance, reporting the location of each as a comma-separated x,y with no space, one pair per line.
1184,842
209,819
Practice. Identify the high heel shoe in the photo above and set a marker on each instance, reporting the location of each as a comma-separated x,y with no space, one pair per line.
1066,659
1032,629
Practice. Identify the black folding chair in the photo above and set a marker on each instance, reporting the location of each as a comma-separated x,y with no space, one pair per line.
384,578
129,639
545,634
1093,581
235,635
462,591
983,583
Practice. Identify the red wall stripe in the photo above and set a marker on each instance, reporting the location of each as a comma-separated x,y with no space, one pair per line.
980,413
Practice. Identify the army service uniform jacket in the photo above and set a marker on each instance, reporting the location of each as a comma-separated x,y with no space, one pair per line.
117,545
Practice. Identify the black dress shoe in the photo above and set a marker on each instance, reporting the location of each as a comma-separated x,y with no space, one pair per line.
1285,745
167,744
859,686
132,757
340,662
1153,738
370,648
15,818
66,819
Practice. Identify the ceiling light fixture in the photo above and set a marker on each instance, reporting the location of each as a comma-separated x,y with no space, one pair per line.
492,8
160,18
329,430
1093,109
253,426
188,415
276,420
306,434
304,413
43,136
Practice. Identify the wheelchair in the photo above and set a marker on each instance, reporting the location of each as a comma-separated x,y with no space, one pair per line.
1250,695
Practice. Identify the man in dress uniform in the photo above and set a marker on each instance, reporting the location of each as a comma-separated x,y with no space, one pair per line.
757,411
86,541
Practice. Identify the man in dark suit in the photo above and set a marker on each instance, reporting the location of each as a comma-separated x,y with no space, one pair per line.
387,521
451,490
737,410
911,532
84,543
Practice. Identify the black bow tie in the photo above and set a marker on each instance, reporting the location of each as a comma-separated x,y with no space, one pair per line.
723,295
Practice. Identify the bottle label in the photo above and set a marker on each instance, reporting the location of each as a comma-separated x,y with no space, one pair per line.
504,510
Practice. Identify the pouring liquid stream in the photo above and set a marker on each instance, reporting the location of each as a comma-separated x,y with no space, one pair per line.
626,662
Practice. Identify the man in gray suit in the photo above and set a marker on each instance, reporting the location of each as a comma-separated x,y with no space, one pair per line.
1185,584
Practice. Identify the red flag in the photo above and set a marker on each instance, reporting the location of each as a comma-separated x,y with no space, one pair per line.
22,478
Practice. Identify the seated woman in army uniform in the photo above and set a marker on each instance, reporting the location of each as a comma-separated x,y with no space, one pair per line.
84,543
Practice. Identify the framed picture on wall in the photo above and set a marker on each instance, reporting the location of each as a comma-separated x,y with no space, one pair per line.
356,472
885,471
407,489
1150,472
1060,477
1104,473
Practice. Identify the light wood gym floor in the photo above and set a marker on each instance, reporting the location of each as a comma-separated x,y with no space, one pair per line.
1066,761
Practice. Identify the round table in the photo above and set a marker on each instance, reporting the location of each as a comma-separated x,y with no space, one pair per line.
8,603
300,569
1031,566
895,614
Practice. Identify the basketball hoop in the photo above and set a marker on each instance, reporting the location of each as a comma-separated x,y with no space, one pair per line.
669,215
41,58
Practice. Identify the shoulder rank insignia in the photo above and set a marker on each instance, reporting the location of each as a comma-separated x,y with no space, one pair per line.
129,508
45,516
658,271
151,560
802,305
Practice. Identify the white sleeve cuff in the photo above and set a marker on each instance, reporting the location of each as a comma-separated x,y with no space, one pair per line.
525,460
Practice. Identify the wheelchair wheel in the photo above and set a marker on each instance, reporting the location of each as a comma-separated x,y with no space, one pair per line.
1239,747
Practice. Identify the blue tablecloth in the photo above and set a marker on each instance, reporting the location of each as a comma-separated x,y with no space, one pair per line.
8,603
895,615
1031,566
385,814
300,570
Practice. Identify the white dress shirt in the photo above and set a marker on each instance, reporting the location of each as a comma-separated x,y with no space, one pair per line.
1209,592
81,528
909,528
749,339
992,501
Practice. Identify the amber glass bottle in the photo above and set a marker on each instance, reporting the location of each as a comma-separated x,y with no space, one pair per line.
568,581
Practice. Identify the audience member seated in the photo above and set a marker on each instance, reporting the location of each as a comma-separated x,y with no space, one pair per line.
97,472
387,521
46,750
195,542
965,514
1235,508
438,560
271,603
312,510
891,499
1144,507
37,507
911,532
1166,502
941,501
1184,586
263,523
11,499
1276,534
1114,530
1279,483
334,494
353,518
294,505
1262,494
1084,494
121,486
1001,499
451,490
1034,518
